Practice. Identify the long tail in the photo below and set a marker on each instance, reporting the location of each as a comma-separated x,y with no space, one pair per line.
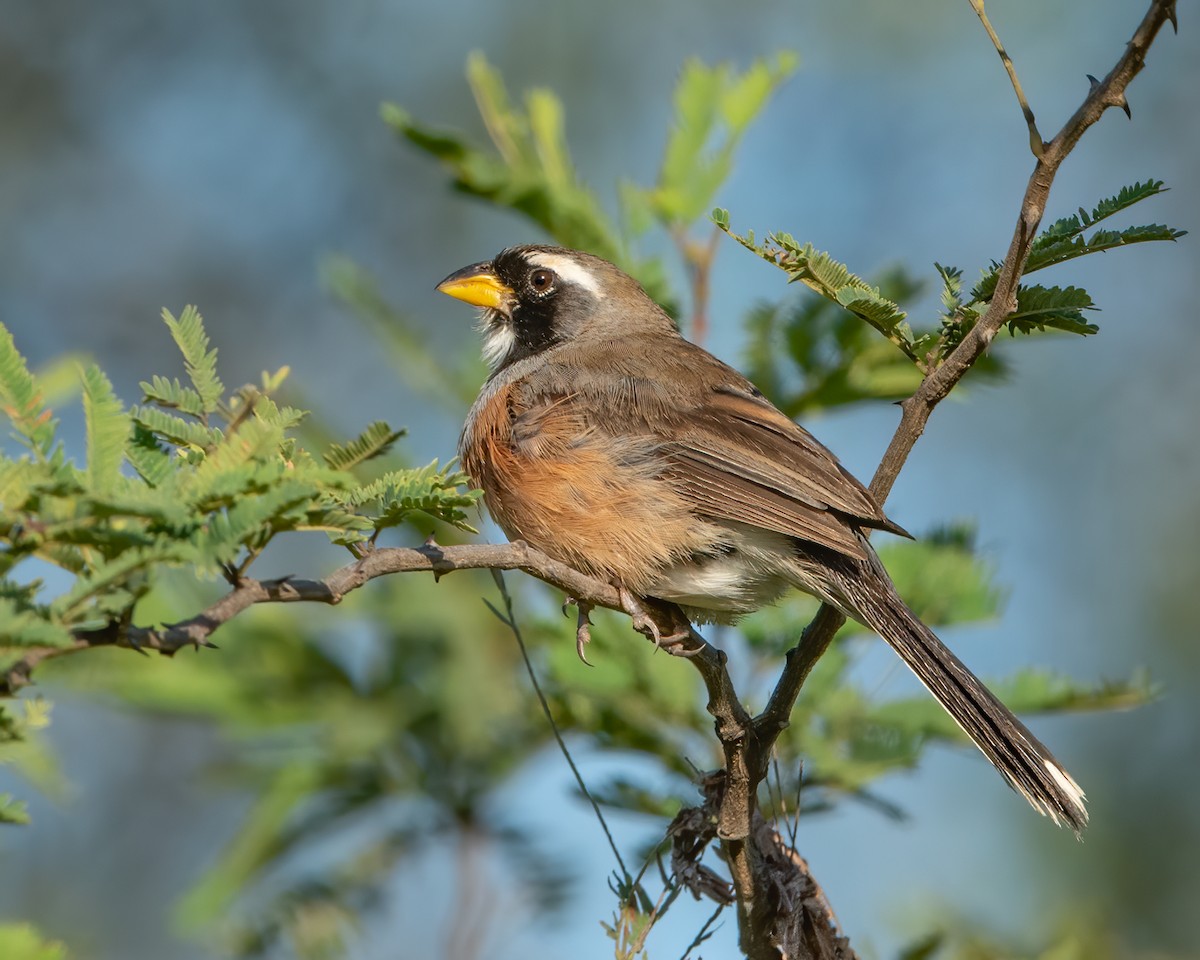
1022,760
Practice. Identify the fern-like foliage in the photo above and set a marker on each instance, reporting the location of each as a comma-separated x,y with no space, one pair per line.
376,440
1063,240
191,478
434,490
21,400
198,360
819,272
1039,308
107,430
809,354
1051,308
173,395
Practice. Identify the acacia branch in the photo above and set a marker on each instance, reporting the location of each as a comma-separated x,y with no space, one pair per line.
1109,92
430,558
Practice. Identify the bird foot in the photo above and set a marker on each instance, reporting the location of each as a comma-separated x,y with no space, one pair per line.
644,623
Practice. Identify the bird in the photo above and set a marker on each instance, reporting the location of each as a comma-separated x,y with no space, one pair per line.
608,441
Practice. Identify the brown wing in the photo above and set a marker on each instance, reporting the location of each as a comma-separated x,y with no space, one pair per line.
725,448
741,459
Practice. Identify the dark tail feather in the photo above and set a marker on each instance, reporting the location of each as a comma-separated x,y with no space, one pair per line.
1022,760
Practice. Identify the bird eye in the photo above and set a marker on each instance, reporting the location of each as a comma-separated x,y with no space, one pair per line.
541,280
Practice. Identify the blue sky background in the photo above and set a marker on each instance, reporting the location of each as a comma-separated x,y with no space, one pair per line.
156,154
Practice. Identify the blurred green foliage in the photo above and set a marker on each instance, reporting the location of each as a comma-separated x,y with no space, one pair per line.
1084,942
19,941
393,722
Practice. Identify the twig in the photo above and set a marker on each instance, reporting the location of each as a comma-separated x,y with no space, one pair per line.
703,933
429,557
1035,138
698,259
510,621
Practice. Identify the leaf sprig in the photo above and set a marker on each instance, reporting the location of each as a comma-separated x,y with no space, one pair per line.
190,477
1039,308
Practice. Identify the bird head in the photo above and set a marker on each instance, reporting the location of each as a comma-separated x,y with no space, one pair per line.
534,297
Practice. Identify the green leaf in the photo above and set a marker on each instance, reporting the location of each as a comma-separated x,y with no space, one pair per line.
1029,691
171,393
745,96
252,520
1063,239
107,430
820,272
519,177
148,458
27,624
810,354
198,360
430,489
1047,254
1055,308
15,811
21,398
119,572
270,413
713,108
548,128
1127,197
952,301
176,430
377,439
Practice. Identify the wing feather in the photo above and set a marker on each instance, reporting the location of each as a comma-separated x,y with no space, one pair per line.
724,447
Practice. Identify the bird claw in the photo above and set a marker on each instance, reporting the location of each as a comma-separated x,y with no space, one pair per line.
645,624
583,627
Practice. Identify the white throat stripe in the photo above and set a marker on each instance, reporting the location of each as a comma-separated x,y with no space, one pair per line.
570,270
498,338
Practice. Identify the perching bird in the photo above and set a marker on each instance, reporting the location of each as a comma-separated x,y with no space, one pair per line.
607,441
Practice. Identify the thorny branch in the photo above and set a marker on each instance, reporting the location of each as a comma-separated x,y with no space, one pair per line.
1109,92
781,912
430,558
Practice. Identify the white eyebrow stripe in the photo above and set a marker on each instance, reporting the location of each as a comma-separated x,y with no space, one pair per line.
570,270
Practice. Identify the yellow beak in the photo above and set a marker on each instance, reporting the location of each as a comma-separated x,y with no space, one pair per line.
477,285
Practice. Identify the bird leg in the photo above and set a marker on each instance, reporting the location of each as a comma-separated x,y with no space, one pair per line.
644,623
